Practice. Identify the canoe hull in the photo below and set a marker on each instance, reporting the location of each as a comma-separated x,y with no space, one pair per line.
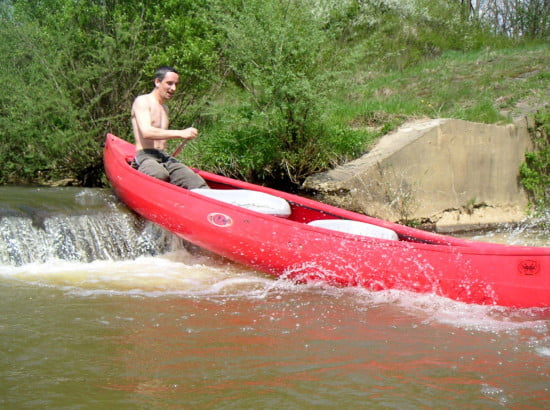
467,271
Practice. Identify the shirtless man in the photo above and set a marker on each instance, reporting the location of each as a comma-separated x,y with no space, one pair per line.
150,125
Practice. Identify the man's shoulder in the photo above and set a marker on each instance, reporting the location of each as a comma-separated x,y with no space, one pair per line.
141,102
142,99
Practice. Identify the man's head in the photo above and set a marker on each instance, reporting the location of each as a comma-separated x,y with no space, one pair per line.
162,71
166,82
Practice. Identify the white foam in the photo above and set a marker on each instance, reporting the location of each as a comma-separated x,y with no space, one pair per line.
205,275
174,273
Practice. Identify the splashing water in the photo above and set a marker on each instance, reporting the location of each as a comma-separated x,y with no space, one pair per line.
85,243
98,304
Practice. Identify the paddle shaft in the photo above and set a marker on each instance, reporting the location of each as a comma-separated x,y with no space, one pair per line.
178,149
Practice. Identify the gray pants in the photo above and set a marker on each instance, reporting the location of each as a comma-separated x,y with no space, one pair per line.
159,164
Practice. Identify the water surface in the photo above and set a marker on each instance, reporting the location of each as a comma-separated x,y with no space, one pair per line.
126,316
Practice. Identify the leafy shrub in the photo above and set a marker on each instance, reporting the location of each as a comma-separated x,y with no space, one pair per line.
279,56
535,171
75,68
258,77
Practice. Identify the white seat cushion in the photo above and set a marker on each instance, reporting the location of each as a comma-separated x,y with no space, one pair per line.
355,228
253,200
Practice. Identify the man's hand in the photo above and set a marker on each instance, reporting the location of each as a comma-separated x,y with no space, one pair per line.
189,133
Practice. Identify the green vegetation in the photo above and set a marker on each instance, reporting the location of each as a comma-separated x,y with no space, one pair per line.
535,171
280,89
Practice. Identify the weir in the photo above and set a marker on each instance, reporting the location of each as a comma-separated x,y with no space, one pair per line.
74,224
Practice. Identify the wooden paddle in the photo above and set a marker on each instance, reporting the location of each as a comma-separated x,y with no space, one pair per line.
178,149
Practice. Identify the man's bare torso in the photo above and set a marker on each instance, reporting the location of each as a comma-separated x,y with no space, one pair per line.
147,104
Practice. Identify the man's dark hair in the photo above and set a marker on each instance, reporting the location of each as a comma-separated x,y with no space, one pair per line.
162,71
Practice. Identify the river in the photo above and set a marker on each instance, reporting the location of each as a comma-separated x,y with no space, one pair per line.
104,310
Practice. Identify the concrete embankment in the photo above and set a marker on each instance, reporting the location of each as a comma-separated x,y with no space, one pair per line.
454,174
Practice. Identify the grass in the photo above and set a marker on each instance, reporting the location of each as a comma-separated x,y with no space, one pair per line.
483,86
490,86
366,103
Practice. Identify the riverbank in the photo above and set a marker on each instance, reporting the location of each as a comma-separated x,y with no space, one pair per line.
444,174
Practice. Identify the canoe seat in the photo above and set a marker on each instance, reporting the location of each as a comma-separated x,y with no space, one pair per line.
356,228
253,200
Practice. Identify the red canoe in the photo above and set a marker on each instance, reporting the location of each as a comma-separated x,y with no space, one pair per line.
304,240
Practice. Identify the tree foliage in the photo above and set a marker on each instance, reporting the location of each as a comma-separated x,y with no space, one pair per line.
255,75
279,56
515,18
73,69
535,171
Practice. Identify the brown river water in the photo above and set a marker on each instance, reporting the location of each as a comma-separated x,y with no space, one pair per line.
103,310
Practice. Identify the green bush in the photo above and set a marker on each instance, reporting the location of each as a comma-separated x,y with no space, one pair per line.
535,171
278,88
71,70
279,58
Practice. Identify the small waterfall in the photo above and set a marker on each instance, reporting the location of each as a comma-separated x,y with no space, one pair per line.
41,224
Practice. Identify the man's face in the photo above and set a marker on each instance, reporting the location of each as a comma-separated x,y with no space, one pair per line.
167,87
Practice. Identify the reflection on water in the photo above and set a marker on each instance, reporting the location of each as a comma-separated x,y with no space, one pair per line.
187,329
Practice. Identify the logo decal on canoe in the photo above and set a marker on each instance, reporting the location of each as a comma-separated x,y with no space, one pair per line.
528,267
220,220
